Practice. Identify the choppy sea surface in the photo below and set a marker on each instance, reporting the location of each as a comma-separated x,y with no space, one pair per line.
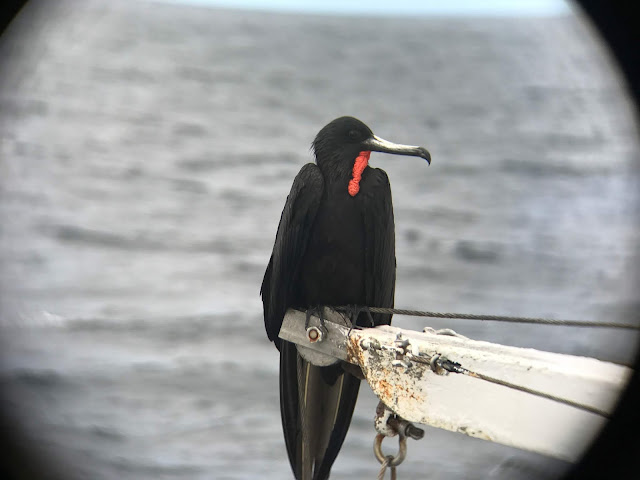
147,151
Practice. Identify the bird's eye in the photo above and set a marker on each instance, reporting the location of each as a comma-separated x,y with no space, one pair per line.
354,135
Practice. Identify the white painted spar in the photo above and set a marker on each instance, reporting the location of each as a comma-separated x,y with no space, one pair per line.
470,405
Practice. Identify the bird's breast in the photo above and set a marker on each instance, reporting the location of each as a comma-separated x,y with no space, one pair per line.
333,266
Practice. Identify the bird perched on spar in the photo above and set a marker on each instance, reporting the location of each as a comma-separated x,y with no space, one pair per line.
335,245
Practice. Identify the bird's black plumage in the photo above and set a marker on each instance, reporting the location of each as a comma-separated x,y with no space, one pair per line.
332,248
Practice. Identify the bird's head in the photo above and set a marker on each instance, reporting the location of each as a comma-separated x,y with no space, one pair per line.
343,146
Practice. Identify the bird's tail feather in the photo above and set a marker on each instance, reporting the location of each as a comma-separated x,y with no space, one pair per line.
317,404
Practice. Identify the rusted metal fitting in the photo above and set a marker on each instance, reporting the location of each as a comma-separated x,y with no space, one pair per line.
401,426
401,363
389,424
316,334
401,342
436,367
401,350
383,421
367,344
408,429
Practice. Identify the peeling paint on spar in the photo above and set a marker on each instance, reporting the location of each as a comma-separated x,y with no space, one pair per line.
393,393
467,404
394,390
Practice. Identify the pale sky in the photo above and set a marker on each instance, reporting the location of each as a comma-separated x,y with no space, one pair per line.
399,7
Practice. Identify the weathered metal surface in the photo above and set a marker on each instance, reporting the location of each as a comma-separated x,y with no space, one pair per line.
398,371
330,349
480,409
398,386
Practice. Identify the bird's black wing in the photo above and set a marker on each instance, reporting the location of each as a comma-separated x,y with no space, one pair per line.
302,388
291,243
380,250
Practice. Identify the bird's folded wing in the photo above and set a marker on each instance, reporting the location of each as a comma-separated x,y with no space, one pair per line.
291,242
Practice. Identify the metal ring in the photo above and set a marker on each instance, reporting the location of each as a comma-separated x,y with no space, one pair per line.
434,363
393,461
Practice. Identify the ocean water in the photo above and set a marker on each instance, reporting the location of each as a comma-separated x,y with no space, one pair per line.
147,151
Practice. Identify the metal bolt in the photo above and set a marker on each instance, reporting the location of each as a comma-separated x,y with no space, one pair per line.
414,432
316,334
406,428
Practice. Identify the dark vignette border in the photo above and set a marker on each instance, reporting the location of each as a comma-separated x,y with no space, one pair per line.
615,453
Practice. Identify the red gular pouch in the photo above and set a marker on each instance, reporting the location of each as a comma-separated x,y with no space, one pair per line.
362,160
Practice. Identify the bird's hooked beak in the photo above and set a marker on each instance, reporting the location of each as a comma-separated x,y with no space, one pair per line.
377,144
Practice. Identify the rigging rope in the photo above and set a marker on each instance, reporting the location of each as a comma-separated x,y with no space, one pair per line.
383,469
500,318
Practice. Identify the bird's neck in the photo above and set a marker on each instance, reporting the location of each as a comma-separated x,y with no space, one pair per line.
361,162
342,173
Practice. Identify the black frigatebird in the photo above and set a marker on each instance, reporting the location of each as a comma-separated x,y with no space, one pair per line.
335,246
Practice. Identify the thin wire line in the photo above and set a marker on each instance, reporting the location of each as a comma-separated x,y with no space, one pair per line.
500,318
537,393
454,367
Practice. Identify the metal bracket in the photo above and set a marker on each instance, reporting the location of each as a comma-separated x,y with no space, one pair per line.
321,344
